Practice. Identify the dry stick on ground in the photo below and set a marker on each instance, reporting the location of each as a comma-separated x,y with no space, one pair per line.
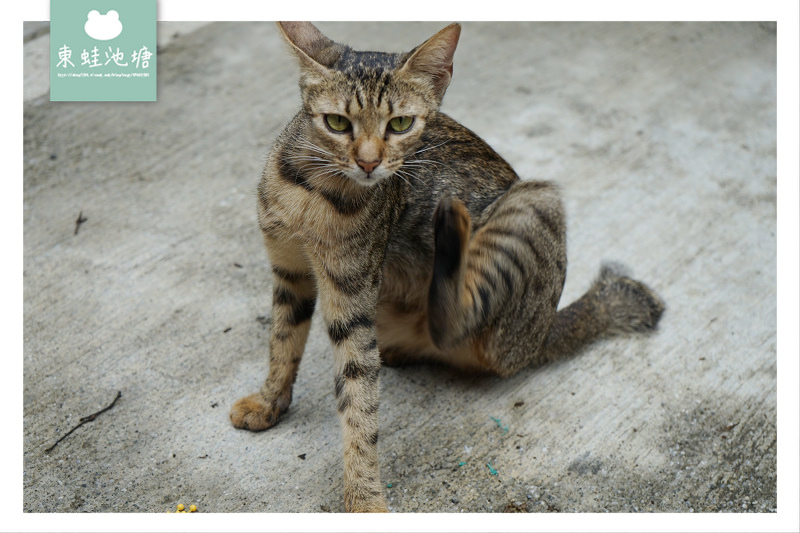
84,420
81,220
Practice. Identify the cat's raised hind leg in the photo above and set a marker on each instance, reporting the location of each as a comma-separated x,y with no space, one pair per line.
494,292
511,266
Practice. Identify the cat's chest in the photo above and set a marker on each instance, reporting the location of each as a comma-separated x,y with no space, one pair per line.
292,211
324,217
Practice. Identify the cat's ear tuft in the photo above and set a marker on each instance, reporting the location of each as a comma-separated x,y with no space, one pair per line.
434,58
315,51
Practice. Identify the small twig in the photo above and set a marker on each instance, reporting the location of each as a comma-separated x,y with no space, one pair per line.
84,420
81,220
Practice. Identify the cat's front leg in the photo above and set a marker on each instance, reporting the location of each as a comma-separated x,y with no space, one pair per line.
293,301
350,311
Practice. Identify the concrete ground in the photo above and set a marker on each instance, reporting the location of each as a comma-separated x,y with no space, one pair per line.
663,138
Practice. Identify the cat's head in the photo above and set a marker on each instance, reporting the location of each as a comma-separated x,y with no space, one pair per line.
367,110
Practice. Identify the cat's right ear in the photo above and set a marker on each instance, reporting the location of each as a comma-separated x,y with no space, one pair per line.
315,52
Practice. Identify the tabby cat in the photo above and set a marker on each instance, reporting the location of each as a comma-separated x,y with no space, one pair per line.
421,243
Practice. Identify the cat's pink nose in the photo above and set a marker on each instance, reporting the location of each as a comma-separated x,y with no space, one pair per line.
368,166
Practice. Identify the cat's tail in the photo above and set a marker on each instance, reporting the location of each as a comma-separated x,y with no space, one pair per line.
614,304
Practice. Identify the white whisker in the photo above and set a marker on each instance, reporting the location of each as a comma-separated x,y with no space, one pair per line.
406,173
431,147
420,164
399,174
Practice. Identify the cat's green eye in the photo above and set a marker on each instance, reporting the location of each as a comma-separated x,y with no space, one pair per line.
337,123
401,124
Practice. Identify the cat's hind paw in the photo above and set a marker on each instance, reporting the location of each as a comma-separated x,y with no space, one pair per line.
452,226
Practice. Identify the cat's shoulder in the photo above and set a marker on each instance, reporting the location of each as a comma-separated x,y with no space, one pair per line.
457,142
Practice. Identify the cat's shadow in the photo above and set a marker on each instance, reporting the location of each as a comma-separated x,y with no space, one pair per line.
435,379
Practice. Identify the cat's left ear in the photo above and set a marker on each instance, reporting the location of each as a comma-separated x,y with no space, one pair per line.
434,58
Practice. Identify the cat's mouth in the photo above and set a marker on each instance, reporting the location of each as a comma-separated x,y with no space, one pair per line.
368,179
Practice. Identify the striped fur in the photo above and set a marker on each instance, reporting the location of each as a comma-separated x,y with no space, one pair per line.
415,245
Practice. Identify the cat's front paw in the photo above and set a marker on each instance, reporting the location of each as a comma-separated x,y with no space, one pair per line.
372,507
255,413
360,502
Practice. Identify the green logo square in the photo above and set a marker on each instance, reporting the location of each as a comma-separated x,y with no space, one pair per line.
103,50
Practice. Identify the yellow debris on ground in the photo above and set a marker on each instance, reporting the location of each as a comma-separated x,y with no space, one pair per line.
180,508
